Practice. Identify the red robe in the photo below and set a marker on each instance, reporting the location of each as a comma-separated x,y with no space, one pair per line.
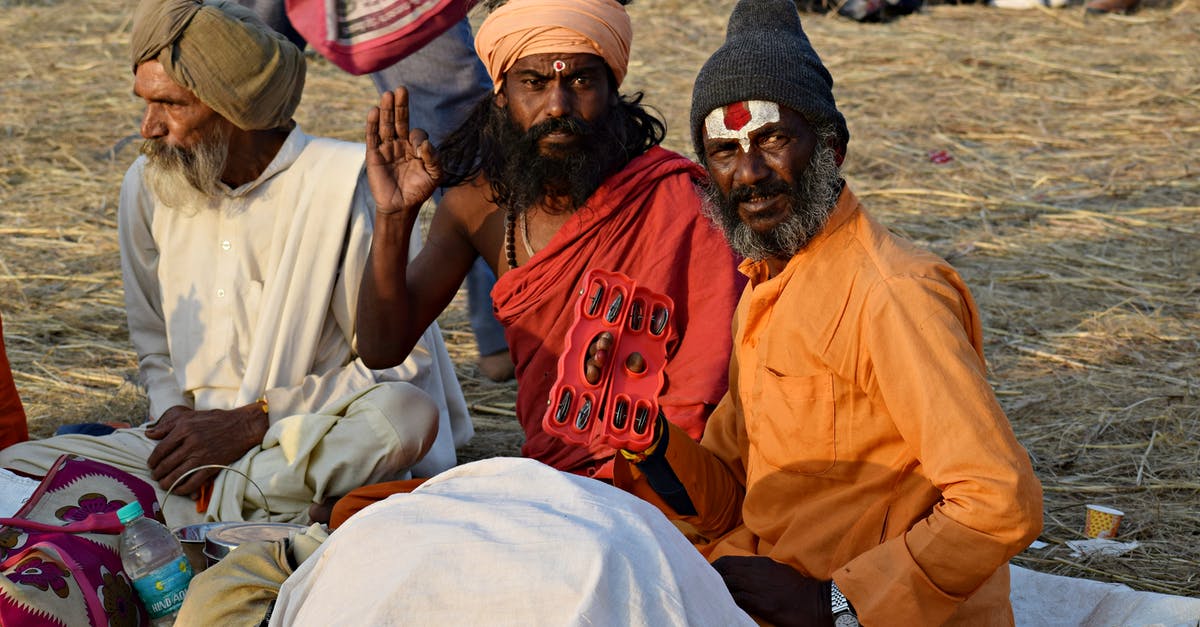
12,416
645,222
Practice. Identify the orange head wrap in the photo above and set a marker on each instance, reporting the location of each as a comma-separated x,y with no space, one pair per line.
525,27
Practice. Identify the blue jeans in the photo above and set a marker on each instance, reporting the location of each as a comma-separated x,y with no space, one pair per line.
445,79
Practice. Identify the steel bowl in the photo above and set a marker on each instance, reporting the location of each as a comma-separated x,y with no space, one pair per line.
218,542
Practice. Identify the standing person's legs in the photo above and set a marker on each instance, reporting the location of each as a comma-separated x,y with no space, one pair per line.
494,361
445,80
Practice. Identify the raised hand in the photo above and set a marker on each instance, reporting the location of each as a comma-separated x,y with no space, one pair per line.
402,169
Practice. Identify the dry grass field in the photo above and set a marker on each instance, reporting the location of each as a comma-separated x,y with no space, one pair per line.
1071,204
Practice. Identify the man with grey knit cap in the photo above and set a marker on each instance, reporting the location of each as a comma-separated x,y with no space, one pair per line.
859,468
242,242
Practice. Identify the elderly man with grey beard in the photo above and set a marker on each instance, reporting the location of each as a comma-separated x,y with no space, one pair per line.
859,468
242,243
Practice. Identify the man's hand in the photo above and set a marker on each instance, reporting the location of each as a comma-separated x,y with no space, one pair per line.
775,592
597,357
189,439
401,167
598,354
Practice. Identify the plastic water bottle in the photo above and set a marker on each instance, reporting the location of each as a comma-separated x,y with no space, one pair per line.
154,560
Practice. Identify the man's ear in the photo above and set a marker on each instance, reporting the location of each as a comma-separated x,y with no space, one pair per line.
500,99
839,149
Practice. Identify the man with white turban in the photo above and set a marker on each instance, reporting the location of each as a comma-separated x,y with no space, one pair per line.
242,242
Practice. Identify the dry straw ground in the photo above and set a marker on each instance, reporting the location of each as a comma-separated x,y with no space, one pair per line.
1070,205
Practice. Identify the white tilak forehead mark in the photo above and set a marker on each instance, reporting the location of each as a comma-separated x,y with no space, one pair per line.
738,120
559,65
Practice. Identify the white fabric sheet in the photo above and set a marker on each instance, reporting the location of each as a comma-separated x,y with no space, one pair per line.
507,542
1042,600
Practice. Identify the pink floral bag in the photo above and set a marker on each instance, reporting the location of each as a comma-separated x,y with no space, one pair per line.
59,556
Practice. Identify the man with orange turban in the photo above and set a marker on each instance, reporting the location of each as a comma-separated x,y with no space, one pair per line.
553,174
242,241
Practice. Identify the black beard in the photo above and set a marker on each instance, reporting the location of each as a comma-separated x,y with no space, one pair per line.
575,172
810,200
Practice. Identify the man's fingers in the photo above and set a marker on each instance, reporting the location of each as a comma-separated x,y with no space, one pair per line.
432,167
592,374
417,138
190,486
400,112
387,118
161,453
372,139
601,341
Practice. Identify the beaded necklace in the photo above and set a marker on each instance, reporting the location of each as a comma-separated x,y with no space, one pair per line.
510,238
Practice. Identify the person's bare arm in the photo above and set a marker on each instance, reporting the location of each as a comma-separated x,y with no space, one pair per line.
397,299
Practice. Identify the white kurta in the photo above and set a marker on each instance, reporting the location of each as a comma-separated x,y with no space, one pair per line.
223,336
256,297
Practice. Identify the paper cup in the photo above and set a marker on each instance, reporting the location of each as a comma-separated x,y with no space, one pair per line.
1102,522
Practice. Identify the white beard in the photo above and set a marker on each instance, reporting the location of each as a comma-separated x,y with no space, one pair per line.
187,179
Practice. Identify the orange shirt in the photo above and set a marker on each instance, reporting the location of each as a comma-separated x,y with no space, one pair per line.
860,440
12,416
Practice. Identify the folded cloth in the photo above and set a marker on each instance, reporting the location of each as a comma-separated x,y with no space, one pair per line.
241,588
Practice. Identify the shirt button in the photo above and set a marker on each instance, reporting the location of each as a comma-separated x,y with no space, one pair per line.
225,245
221,293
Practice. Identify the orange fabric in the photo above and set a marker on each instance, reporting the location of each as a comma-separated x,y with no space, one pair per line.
13,427
860,440
644,222
204,496
360,498
523,28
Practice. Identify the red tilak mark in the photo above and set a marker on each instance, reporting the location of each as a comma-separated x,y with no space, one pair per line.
736,116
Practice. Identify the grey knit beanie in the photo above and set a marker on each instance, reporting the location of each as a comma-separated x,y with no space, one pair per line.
766,56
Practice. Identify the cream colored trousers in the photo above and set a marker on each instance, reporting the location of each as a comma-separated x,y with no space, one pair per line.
367,437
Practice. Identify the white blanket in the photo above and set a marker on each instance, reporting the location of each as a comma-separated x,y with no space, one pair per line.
507,542
1042,600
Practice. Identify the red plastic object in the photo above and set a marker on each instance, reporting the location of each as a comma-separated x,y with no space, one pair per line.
940,157
620,409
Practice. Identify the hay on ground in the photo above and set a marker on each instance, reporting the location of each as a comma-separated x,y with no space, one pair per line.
1070,204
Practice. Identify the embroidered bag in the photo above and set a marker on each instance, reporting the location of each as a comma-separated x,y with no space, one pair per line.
364,36
60,561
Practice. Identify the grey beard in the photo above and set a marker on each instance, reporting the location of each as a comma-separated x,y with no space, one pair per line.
812,200
187,178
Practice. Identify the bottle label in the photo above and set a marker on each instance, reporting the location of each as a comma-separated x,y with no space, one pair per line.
162,591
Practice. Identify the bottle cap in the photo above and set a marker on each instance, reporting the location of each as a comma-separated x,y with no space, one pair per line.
130,513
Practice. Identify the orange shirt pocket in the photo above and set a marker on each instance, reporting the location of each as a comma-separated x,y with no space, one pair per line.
794,421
